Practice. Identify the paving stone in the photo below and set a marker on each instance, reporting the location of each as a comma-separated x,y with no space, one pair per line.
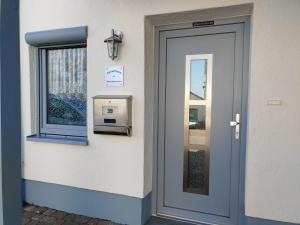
48,219
82,219
49,212
71,222
25,220
33,222
35,215
93,222
43,223
40,210
28,214
59,214
69,217
29,208
59,222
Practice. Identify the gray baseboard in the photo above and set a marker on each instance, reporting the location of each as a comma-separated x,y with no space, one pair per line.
248,221
117,208
257,221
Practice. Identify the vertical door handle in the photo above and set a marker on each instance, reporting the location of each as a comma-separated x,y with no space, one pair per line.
236,124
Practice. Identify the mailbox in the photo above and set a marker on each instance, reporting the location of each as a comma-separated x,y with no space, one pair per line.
112,114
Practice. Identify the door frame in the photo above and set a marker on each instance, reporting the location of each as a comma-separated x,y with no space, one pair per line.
246,21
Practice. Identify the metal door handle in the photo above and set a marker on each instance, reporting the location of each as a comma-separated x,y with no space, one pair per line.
236,124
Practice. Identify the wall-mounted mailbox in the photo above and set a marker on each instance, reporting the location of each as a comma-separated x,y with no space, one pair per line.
112,114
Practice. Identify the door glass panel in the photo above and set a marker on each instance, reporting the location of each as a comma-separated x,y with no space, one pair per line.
197,124
198,79
197,117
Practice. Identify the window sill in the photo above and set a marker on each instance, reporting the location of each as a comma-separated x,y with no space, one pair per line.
58,139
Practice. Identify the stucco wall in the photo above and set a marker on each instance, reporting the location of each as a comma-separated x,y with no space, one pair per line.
273,151
116,164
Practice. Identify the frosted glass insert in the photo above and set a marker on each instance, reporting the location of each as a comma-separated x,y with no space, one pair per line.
66,86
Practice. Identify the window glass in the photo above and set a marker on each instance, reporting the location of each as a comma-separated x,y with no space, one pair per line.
66,86
198,79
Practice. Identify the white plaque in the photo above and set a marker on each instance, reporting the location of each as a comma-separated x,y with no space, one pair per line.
114,76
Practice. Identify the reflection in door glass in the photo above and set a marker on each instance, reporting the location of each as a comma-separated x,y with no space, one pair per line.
197,117
197,125
198,79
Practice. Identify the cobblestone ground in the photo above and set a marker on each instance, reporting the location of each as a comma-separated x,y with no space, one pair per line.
35,215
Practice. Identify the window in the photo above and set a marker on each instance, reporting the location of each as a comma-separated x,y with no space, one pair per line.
63,90
61,85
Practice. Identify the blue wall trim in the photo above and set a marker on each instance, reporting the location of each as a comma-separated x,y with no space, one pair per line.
73,35
146,208
114,207
257,221
10,114
117,208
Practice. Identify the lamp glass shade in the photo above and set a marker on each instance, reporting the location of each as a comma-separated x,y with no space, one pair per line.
112,48
113,43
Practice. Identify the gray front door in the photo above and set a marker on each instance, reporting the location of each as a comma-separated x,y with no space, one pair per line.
200,89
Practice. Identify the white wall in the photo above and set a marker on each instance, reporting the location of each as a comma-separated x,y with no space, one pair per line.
116,164
273,164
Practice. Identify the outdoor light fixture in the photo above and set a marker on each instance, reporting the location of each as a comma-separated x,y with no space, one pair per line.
113,43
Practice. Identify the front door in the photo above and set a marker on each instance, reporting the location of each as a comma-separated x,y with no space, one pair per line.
200,102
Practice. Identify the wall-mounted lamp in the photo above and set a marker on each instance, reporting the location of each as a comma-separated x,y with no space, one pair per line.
113,43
